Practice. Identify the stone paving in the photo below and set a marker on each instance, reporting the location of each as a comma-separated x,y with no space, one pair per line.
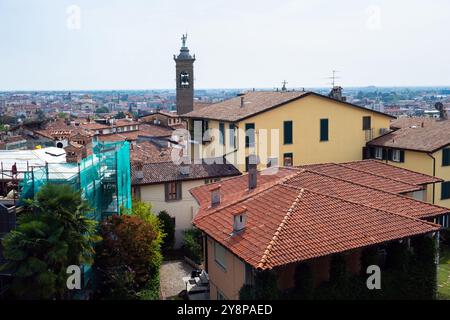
171,277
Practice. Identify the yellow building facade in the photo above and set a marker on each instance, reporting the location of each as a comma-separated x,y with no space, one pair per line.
320,129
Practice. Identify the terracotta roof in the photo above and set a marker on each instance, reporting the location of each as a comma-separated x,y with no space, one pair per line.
411,121
366,195
364,178
380,168
255,102
149,152
429,138
155,173
147,130
287,223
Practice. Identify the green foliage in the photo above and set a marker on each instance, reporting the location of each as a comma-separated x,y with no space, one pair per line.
129,257
192,247
168,227
338,269
265,288
304,282
52,235
120,115
151,290
101,110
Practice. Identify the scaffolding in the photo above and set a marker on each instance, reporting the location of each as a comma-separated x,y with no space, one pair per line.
104,178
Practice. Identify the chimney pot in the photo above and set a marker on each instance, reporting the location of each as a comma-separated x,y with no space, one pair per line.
252,172
215,195
239,219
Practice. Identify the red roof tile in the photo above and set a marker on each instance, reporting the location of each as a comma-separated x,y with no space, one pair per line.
300,214
380,168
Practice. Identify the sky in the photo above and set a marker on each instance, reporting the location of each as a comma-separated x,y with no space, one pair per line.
129,44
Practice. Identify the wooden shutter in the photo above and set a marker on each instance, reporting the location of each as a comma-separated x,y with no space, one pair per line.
179,191
323,129
446,157
166,191
390,154
402,156
287,132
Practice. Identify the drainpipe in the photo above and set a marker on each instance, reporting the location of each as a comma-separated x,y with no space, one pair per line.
437,239
434,175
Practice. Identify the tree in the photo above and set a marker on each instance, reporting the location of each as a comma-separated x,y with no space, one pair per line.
168,227
120,115
53,234
101,110
129,256
304,282
265,287
192,247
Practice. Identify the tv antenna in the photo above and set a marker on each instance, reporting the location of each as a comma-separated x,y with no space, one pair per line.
334,77
284,83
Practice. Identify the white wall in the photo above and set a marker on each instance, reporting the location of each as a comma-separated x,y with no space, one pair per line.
182,210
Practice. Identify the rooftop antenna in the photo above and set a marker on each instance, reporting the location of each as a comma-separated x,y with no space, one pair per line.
334,77
284,83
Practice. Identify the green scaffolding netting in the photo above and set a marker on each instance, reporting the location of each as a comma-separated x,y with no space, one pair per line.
103,178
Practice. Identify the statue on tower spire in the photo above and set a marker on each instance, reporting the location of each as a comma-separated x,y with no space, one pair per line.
183,40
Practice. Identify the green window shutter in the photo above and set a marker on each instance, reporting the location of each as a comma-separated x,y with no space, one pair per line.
390,154
445,190
402,156
222,133
249,135
446,157
367,123
324,130
287,131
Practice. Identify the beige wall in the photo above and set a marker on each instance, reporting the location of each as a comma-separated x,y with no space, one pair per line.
230,280
182,210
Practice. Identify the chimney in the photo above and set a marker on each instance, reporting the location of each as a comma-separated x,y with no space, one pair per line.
215,195
242,101
185,169
252,172
139,167
239,220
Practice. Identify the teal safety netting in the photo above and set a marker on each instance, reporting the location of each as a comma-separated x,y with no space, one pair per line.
104,178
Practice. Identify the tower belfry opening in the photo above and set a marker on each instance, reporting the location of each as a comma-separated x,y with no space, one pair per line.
184,66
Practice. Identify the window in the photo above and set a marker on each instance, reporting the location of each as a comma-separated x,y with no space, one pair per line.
232,142
446,157
222,133
249,135
173,191
445,190
288,160
367,123
323,129
379,153
287,127
220,255
397,155
209,181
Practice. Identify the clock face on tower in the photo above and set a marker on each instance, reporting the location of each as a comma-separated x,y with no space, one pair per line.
184,79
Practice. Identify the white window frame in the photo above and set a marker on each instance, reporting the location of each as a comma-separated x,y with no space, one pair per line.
396,155
379,153
220,255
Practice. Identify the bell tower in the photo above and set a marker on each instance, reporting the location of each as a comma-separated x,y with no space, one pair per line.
184,65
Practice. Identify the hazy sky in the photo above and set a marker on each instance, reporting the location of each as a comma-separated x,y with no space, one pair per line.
129,44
